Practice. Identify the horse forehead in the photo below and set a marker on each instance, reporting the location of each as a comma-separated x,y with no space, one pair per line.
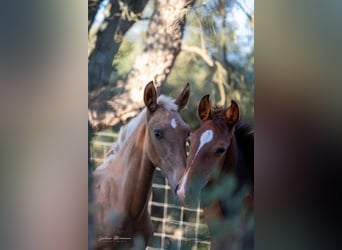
170,119
174,119
217,130
204,128
204,137
173,123
207,134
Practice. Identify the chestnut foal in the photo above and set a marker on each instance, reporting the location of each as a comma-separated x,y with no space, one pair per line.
122,184
221,152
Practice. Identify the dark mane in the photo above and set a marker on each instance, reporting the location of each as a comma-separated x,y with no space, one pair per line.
244,136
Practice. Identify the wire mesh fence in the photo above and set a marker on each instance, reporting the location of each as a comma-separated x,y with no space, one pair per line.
175,226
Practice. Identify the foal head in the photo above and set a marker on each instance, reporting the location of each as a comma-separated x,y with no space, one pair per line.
209,147
166,132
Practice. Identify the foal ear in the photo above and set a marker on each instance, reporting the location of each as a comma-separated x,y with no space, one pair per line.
204,108
150,97
232,114
183,98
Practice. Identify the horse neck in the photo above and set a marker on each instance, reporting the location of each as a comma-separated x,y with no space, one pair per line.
137,173
238,161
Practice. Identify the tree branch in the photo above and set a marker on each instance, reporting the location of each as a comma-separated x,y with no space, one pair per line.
250,18
118,23
199,51
93,6
163,44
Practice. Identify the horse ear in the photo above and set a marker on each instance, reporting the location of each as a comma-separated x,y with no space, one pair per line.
204,108
150,97
183,98
232,113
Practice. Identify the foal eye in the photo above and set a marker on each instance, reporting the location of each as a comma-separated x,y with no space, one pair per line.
157,133
187,147
220,151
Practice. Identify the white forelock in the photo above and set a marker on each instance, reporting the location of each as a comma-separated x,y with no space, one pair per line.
167,102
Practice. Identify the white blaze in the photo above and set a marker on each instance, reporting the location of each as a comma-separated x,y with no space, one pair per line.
181,189
206,137
173,123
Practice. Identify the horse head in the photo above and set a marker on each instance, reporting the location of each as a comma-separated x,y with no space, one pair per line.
166,132
210,146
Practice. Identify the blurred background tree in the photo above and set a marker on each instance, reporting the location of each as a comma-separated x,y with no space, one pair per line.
206,43
107,36
209,44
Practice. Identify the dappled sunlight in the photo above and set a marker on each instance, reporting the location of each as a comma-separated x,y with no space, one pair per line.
210,46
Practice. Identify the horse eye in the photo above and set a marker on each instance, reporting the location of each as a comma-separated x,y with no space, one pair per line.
157,133
220,151
187,143
187,147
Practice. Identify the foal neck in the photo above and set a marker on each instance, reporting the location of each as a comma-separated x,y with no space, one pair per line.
137,173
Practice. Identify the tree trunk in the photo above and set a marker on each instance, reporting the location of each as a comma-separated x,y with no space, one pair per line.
93,6
163,44
108,41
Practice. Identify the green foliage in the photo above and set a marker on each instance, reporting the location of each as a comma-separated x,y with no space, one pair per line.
125,57
225,79
209,28
180,75
239,222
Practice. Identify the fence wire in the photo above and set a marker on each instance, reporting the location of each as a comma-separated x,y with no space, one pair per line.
175,227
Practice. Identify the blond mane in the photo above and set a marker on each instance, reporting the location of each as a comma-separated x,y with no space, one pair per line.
127,130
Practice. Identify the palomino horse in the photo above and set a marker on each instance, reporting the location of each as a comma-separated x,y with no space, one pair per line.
221,152
122,184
